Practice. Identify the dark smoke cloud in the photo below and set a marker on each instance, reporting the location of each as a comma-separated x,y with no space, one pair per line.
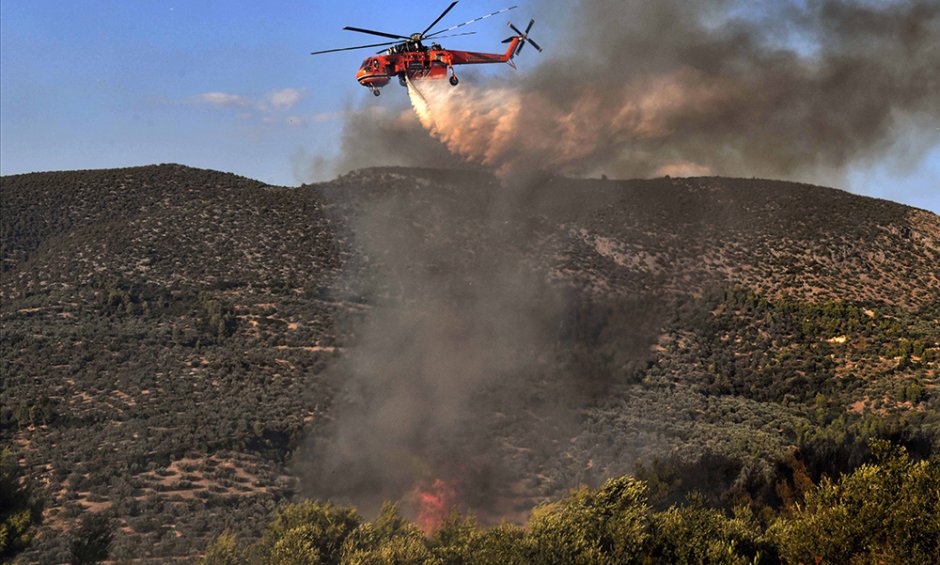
772,110
633,89
792,89
390,135
454,315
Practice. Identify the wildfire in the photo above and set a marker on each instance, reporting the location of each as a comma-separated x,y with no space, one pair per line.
434,504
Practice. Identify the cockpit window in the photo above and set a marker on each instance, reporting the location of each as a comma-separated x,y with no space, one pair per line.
365,64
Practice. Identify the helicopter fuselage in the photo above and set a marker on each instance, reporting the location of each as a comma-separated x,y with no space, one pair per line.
415,62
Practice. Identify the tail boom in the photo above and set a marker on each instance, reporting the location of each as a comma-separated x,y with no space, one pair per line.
473,58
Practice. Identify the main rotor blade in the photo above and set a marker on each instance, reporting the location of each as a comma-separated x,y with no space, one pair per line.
441,37
351,48
373,32
456,34
472,21
444,13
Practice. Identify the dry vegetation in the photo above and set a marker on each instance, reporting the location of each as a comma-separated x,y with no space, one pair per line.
166,331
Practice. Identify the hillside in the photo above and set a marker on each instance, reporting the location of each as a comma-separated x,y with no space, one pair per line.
187,349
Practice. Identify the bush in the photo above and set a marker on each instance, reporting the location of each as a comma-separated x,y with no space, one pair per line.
91,542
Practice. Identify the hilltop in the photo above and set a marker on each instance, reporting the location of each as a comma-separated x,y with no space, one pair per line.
773,236
176,342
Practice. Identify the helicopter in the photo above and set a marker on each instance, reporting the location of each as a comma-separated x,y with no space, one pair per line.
409,59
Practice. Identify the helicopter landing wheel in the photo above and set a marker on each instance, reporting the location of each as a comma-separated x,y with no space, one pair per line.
454,81
376,92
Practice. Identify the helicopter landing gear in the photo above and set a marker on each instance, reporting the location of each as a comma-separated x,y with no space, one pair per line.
376,92
454,81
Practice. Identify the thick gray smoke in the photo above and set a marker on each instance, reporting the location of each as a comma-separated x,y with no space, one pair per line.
792,89
457,319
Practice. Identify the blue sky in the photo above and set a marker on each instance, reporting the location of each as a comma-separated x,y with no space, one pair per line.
230,85
98,83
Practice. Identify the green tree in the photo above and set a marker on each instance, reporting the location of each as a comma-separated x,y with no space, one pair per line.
224,550
696,533
887,511
457,540
297,546
388,539
18,512
307,530
609,525
505,544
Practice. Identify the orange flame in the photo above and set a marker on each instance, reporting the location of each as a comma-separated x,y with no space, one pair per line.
434,504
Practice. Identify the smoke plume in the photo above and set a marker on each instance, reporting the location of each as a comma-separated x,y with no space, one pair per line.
459,326
455,314
793,89
390,136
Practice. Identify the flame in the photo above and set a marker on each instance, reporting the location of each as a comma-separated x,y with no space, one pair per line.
434,504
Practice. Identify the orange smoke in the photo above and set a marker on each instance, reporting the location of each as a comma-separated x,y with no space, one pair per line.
509,129
434,504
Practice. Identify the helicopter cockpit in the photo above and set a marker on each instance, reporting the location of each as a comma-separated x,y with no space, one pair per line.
370,64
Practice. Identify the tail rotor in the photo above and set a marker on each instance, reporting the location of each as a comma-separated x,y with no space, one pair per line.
523,38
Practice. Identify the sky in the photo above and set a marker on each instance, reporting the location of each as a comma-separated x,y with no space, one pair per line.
230,85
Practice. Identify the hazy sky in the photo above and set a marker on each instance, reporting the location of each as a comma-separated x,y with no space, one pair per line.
230,85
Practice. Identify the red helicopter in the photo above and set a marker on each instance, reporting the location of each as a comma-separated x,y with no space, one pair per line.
409,59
